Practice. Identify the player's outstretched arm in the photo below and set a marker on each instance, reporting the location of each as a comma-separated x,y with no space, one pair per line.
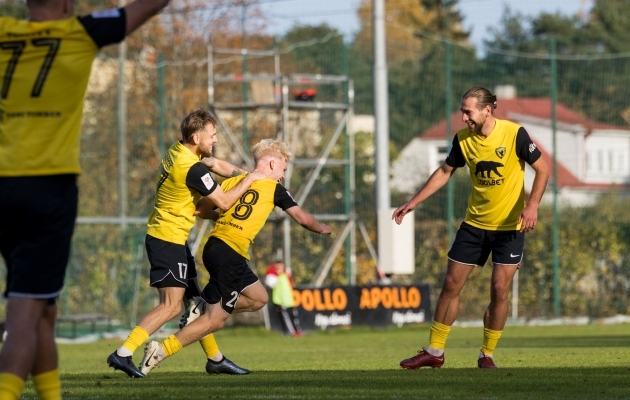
225,200
139,11
307,220
438,179
222,167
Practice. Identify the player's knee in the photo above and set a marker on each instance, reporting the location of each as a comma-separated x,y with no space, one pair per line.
262,300
500,291
172,309
451,286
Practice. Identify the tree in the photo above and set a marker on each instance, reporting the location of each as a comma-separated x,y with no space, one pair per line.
403,20
13,8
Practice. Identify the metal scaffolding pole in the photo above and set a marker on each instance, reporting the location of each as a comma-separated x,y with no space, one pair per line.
286,107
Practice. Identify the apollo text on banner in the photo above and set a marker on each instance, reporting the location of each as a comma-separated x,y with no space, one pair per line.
326,307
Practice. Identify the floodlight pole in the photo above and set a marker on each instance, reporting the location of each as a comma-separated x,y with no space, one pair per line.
381,136
556,238
122,133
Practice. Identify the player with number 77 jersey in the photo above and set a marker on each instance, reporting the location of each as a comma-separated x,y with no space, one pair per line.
233,287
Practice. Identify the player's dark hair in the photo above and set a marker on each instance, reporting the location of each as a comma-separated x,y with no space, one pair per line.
483,96
194,122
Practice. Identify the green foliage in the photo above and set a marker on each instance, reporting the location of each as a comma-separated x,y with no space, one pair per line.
13,8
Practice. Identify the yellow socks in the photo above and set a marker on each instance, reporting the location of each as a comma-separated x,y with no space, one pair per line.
437,337
490,339
171,346
135,339
10,386
48,385
210,347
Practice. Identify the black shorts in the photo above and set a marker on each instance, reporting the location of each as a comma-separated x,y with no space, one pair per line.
472,246
37,217
172,265
229,274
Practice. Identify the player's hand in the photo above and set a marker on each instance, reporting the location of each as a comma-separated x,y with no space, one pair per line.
401,211
325,229
528,218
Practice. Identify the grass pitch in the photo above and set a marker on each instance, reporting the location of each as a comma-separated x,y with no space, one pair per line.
561,362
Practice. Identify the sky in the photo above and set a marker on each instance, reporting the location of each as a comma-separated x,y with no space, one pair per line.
479,15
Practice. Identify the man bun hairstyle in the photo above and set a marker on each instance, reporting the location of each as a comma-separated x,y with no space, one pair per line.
196,121
271,148
483,96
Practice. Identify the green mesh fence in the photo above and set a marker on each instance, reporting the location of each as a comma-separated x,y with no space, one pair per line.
108,270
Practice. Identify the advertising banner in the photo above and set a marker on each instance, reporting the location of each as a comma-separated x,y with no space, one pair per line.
382,305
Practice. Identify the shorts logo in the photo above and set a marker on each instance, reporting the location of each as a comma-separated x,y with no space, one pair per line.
500,151
532,147
183,270
207,181
513,256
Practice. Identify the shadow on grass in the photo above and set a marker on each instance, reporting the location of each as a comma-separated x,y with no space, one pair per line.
521,383
550,342
570,341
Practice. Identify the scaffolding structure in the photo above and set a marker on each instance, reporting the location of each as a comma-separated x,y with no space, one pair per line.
283,104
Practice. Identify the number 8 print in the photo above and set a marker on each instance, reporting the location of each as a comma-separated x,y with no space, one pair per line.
244,208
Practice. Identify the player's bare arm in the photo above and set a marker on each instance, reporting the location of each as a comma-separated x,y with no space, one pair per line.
206,209
225,200
437,179
139,11
222,167
529,215
307,220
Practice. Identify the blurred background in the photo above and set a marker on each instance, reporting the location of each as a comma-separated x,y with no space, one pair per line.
302,72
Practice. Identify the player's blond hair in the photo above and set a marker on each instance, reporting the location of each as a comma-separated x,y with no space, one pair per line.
271,148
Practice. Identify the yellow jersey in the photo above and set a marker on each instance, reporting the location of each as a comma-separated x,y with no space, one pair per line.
497,171
44,69
239,225
181,182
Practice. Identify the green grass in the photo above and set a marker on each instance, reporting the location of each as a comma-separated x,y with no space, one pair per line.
568,362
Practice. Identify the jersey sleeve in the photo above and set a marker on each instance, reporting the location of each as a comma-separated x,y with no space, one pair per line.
455,156
105,27
199,179
282,198
525,148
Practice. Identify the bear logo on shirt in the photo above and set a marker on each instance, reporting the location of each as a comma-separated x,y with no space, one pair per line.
486,167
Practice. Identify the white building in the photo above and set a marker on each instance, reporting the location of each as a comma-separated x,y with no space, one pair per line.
593,157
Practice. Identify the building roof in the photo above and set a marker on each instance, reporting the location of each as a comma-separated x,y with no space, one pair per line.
536,107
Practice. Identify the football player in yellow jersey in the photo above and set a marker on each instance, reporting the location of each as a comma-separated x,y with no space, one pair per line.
495,152
182,180
233,287
45,63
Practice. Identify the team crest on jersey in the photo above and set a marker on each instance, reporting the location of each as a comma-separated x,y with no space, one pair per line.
207,181
500,151
532,147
